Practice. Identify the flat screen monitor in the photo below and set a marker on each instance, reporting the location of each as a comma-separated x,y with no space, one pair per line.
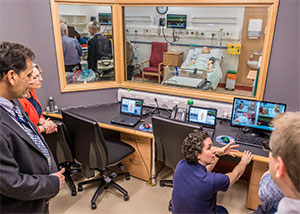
255,114
131,106
176,21
105,18
203,116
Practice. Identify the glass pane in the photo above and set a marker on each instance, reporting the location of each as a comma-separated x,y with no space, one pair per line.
214,49
87,43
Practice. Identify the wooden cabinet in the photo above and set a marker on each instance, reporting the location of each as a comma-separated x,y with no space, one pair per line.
173,58
258,170
139,164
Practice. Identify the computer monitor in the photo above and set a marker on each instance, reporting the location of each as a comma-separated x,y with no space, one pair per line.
176,21
255,114
105,18
203,116
131,106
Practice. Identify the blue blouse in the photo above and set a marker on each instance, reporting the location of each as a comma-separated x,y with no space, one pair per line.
35,105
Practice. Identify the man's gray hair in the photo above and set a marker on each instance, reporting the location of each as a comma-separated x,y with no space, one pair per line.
94,24
63,27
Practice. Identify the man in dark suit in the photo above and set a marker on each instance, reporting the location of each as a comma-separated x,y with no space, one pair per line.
99,47
28,173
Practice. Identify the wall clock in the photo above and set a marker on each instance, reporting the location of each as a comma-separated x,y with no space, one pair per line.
162,10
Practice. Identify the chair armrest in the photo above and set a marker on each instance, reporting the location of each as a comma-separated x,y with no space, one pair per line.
143,63
160,66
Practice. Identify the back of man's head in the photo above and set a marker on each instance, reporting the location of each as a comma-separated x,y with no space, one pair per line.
95,25
285,143
13,56
63,28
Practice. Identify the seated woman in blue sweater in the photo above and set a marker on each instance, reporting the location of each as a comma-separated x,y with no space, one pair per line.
195,187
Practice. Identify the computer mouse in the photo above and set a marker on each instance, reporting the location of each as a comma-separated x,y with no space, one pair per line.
225,139
146,125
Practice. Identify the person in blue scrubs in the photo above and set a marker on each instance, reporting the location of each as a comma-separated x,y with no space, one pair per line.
195,187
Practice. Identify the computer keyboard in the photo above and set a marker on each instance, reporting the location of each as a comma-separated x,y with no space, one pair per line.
128,118
250,140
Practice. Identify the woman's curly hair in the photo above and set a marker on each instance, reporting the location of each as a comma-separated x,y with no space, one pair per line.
193,144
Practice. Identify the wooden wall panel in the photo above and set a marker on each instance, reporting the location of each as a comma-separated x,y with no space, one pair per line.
250,44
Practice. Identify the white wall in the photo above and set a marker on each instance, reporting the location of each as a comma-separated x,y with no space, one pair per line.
169,101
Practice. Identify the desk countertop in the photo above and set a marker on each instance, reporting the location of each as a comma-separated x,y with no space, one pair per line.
104,114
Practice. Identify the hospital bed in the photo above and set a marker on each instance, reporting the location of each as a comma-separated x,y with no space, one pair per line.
197,70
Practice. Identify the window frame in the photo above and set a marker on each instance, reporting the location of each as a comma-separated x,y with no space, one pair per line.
119,42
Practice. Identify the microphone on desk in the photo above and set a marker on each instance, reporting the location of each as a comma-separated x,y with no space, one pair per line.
156,107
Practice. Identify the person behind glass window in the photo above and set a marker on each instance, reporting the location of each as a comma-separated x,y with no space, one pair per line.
71,30
195,187
28,173
32,106
99,46
129,59
71,49
284,160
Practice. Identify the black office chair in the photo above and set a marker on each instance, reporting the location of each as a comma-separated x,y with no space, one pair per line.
169,135
96,153
61,148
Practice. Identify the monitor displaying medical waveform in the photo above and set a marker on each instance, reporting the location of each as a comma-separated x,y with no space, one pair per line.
131,106
176,21
105,18
203,116
255,114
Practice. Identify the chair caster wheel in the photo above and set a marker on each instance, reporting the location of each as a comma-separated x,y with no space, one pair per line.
80,188
161,184
127,177
94,206
74,193
105,186
126,197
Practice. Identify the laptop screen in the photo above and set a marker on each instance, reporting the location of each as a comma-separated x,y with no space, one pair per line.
131,106
204,116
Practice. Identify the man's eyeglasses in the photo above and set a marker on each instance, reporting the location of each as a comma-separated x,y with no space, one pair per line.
266,146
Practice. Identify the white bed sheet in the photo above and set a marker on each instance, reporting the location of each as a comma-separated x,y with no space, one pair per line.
201,62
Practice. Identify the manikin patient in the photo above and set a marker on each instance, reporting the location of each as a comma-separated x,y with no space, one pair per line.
205,50
210,65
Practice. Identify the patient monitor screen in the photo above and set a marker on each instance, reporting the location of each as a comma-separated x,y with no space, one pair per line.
203,116
255,114
176,21
105,18
131,106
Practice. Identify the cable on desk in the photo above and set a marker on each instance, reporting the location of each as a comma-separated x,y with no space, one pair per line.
142,158
223,121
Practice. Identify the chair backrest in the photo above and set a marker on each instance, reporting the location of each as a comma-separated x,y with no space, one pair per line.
169,135
60,144
89,144
157,50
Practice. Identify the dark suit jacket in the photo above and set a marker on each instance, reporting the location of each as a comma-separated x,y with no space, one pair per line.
25,183
98,47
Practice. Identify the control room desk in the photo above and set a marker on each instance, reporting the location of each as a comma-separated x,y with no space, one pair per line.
104,113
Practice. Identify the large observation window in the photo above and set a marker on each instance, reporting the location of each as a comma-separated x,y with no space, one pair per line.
210,50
